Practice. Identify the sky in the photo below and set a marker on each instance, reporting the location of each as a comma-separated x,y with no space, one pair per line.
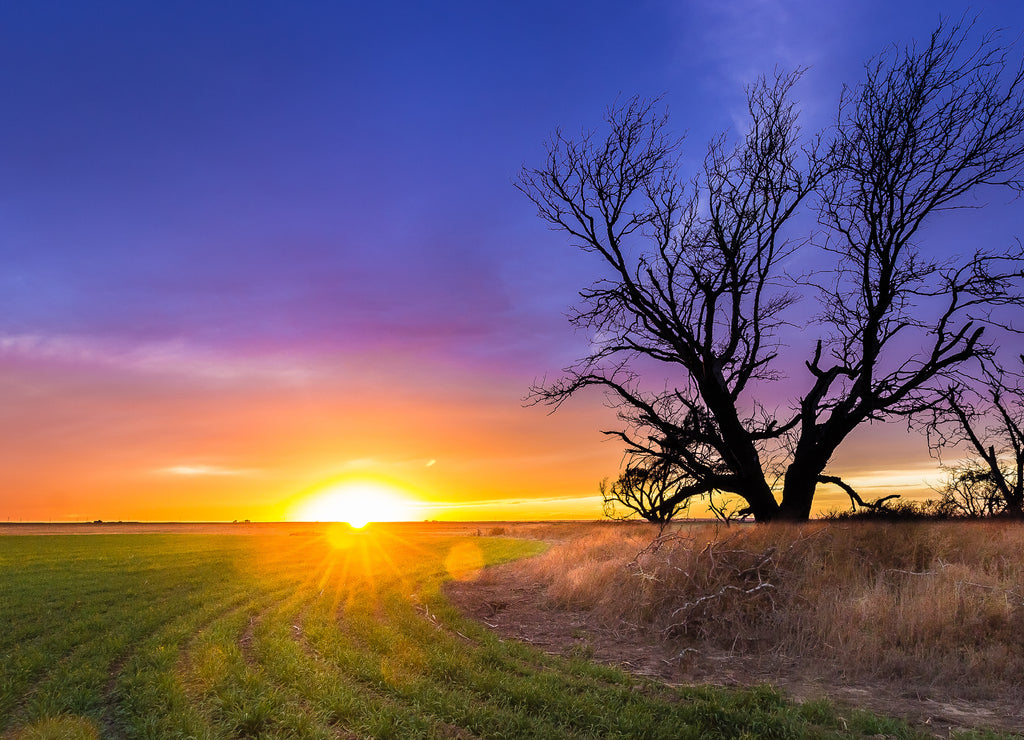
250,250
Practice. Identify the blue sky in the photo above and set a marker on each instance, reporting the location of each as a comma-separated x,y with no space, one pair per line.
290,195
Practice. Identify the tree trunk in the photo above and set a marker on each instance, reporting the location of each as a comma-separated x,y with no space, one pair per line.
1013,505
761,502
798,490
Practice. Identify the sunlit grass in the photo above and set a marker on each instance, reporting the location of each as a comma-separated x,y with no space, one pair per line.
913,604
316,635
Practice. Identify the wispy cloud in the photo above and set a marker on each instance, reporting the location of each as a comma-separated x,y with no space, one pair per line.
749,37
914,478
171,357
539,504
731,44
202,470
384,463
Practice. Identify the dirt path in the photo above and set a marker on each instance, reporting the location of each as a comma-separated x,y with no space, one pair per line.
514,608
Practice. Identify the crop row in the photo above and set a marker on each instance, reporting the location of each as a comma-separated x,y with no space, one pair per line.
314,636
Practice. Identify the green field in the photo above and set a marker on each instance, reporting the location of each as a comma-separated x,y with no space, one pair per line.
306,635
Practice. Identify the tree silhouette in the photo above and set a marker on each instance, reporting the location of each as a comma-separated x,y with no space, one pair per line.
968,491
698,275
652,488
986,415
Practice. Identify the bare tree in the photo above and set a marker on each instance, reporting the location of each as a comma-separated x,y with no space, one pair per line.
651,488
968,490
986,415
697,278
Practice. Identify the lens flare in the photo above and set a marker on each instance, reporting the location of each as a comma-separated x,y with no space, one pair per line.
464,561
357,502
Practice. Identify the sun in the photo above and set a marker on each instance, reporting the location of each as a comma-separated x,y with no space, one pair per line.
357,502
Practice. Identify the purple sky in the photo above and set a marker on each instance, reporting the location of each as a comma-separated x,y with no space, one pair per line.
286,182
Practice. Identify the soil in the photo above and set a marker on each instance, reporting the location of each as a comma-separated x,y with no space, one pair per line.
502,599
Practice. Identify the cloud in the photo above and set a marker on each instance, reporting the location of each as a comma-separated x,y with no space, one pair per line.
202,470
749,37
171,357
917,478
520,501
728,45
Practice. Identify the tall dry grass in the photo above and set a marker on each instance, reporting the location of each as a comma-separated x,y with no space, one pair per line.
918,603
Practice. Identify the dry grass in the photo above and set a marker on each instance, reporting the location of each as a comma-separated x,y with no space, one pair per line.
938,604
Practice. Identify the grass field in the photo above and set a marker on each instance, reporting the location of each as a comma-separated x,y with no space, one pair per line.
319,634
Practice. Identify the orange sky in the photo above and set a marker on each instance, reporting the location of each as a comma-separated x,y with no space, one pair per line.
174,434
178,441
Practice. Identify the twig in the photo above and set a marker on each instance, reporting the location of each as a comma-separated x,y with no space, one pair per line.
1014,594
721,592
910,572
